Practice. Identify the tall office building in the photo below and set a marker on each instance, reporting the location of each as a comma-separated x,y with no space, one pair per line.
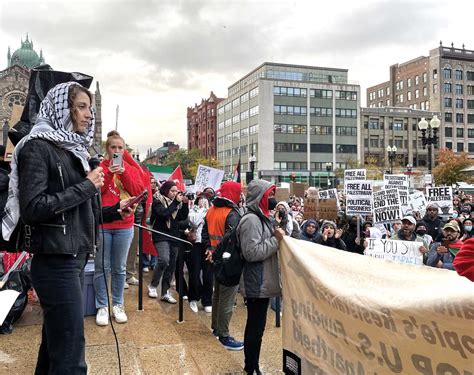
293,119
442,82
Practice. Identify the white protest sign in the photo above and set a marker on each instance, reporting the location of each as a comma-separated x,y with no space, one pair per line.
329,194
387,206
358,197
417,202
355,174
400,182
442,196
7,299
395,250
207,177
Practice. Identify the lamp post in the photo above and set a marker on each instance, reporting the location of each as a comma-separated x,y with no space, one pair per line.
431,138
392,154
252,160
409,173
329,169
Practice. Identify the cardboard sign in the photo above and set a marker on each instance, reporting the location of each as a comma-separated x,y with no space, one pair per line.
208,177
297,189
398,251
310,208
327,209
387,206
350,314
282,194
417,202
443,196
355,174
400,182
358,197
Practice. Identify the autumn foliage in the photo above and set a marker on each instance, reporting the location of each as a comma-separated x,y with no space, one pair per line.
449,167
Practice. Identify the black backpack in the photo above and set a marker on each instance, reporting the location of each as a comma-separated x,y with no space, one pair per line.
228,260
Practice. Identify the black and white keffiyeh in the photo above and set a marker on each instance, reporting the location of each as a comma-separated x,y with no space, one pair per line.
53,124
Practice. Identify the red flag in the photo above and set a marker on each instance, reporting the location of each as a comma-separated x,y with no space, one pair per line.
177,177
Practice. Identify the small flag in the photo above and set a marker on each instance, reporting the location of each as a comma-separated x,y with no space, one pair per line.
236,175
177,177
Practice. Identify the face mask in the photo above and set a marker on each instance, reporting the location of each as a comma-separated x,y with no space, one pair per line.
272,203
468,228
455,215
421,232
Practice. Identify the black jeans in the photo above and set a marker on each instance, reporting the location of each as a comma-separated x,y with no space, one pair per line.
57,280
207,278
254,328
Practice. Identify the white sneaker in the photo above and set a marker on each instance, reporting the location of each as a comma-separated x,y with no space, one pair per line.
168,298
152,293
146,269
193,306
132,281
125,285
102,317
208,309
119,314
185,298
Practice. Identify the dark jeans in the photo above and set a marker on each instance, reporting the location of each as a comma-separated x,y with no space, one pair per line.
207,279
254,328
192,258
57,280
167,255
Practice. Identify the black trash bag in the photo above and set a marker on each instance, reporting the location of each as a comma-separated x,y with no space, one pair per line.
20,281
42,79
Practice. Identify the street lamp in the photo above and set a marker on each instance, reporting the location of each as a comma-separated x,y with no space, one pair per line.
252,160
409,173
329,169
392,155
431,138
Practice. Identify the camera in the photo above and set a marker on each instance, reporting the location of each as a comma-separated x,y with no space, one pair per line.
190,196
282,215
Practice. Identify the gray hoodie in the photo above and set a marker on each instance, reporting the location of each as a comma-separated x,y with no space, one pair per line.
261,276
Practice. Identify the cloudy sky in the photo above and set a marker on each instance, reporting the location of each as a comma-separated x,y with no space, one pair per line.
154,58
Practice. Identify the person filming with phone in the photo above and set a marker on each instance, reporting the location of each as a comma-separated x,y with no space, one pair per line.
122,179
442,253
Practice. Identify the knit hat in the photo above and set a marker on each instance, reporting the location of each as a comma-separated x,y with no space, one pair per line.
328,223
230,190
166,187
284,204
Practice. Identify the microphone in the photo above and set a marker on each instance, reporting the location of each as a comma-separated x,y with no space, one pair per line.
94,162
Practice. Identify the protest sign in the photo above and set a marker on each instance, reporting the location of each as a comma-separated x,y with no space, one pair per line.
310,208
327,209
395,250
400,182
387,206
417,202
443,196
348,314
355,174
330,194
358,197
207,177
282,194
297,189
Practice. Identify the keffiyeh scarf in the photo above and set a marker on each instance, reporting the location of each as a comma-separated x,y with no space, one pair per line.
53,124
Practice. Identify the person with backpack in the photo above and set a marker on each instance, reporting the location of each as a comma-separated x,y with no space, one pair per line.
260,280
221,219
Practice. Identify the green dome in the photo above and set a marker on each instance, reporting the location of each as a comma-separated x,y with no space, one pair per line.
26,56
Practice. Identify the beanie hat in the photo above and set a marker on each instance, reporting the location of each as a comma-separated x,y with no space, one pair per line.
166,187
284,204
230,190
328,223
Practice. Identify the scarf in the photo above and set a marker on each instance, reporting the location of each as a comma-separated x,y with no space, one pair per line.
54,124
165,201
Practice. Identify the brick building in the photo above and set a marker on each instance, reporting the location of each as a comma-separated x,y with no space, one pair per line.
442,82
202,132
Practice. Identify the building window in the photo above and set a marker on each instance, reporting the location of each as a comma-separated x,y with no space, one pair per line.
417,80
470,118
254,111
459,118
448,117
435,88
320,130
244,97
220,140
228,122
470,133
244,115
425,77
244,132
228,138
470,147
409,95
448,132
289,110
375,124
470,90
324,94
460,147
398,126
374,142
290,147
458,74
235,103
417,93
289,91
447,73
321,147
351,95
235,135
253,129
254,92
470,76
228,107
401,98
460,132
459,103
220,125
449,145
409,82
470,104
289,129
236,119
459,89
435,73
220,110
388,91
320,111
346,130
447,88
347,113
448,102
346,149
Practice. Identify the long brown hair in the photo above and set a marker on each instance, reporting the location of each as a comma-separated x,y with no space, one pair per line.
72,93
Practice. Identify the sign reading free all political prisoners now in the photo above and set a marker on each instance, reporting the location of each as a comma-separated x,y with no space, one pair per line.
348,314
358,197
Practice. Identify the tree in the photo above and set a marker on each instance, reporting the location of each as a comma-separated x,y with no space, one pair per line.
189,161
210,162
449,167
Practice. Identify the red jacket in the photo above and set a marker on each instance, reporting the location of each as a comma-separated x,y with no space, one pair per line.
132,181
464,260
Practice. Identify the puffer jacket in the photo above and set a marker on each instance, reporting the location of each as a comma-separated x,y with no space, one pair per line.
56,200
261,275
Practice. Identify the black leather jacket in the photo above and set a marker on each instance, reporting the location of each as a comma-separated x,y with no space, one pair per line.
57,201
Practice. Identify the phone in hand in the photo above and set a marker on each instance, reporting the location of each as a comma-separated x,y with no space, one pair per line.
117,159
135,200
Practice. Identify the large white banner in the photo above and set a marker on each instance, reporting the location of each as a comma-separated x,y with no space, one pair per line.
395,250
344,313
443,196
358,197
208,177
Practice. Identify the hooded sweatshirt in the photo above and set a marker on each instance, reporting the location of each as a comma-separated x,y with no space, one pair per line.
261,276
464,261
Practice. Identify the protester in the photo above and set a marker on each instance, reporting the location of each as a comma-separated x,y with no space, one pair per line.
407,233
309,231
442,253
354,244
260,279
284,217
169,207
220,220
468,232
331,236
432,221
120,182
464,260
395,227
299,218
54,190
421,230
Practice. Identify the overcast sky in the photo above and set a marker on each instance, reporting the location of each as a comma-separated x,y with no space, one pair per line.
156,58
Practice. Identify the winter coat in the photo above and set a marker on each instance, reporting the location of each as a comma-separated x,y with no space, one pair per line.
261,276
162,216
57,201
447,258
433,227
307,237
